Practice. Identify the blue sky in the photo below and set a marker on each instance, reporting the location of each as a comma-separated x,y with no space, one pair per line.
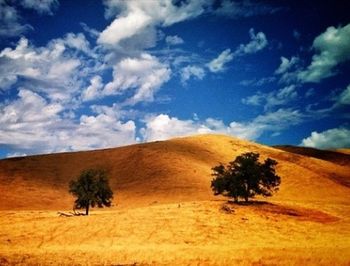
81,75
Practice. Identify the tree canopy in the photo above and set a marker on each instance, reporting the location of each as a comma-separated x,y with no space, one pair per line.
91,188
246,177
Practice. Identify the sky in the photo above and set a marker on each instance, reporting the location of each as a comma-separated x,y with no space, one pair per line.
82,75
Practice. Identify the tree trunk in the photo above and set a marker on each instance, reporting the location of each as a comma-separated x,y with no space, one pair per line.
87,209
247,193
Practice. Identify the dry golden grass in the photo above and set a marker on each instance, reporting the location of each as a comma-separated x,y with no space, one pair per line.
165,212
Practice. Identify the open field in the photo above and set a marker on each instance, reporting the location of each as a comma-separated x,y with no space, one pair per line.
189,233
164,211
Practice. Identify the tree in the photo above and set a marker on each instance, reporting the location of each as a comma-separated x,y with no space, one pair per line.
245,177
91,188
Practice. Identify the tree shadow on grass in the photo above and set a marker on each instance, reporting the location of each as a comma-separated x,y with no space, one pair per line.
249,203
272,209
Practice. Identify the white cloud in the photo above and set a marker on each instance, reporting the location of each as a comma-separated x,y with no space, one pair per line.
94,90
334,138
15,154
344,97
124,27
273,122
78,42
191,71
100,131
91,31
218,64
41,6
280,119
174,40
286,64
163,127
24,121
136,16
31,124
333,47
258,42
55,69
271,99
10,25
30,107
145,74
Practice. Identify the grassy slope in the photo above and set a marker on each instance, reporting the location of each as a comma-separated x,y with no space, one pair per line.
166,212
167,171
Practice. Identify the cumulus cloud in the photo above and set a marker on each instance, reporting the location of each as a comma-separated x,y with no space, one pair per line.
41,6
191,71
102,130
94,90
24,120
134,17
257,42
31,124
334,138
333,48
163,127
124,27
77,41
286,64
55,69
271,99
218,64
174,40
146,74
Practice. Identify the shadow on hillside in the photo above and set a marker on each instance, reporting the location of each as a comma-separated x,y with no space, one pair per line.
266,209
326,155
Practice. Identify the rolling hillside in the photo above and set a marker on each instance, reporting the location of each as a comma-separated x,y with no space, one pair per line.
164,212
168,172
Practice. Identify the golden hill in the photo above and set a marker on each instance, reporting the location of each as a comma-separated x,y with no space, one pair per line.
168,172
166,213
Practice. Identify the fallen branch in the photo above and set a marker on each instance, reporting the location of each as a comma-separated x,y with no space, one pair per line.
60,214
70,214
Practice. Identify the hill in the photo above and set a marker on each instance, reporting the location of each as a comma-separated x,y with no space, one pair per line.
169,171
166,213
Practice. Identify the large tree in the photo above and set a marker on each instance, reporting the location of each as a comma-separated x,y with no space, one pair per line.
91,188
246,177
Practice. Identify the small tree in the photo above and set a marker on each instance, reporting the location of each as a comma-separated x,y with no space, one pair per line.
246,177
91,188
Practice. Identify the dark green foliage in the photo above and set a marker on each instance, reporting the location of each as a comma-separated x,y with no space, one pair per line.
246,177
91,189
